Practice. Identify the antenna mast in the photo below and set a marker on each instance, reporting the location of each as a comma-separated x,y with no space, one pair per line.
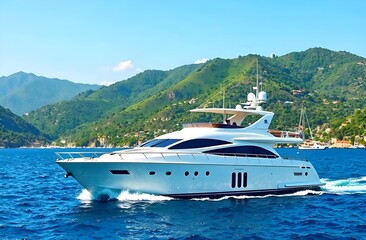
223,102
254,100
257,87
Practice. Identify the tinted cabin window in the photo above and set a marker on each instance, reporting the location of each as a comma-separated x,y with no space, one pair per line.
150,142
249,151
199,143
159,142
165,143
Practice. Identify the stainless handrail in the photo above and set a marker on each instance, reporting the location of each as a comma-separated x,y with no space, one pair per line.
92,155
73,155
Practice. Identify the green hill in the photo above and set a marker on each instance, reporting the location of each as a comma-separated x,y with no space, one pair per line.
15,132
330,84
23,92
91,106
353,126
328,72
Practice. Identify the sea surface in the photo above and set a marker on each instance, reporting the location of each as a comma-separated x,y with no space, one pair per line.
37,202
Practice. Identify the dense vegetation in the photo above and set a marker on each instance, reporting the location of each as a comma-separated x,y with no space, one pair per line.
354,126
15,132
92,106
330,85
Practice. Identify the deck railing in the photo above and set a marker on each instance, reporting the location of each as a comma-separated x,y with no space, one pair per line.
180,155
73,155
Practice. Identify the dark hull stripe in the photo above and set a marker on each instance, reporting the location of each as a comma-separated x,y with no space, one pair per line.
214,195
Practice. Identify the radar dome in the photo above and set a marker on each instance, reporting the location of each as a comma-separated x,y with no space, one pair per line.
262,96
251,97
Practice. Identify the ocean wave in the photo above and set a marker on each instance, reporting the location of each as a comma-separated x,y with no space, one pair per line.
126,196
345,186
299,193
108,195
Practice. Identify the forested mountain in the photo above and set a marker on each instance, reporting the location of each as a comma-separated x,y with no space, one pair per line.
23,92
15,132
331,85
91,106
353,126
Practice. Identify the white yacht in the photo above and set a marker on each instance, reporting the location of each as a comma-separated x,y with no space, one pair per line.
312,145
308,144
201,160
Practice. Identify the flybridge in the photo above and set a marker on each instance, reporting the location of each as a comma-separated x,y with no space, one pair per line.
238,114
251,107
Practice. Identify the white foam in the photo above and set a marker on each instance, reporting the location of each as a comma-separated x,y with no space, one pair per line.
85,195
345,186
299,193
304,193
127,196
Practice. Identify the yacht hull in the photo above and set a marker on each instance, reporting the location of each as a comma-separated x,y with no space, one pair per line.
191,176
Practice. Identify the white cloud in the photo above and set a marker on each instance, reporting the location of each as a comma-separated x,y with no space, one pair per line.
106,83
138,70
202,60
122,66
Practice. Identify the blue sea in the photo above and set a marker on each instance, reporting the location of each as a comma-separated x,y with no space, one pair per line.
37,202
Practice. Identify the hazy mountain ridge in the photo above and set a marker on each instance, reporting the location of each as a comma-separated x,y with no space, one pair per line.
23,92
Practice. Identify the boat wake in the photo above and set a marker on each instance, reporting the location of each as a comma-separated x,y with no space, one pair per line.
344,186
127,196
106,195
85,195
299,193
339,187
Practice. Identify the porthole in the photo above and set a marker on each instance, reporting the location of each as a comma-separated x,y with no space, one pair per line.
168,173
152,173
196,173
186,173
207,173
306,173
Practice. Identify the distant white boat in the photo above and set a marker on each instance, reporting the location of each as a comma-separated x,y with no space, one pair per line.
312,145
309,144
356,144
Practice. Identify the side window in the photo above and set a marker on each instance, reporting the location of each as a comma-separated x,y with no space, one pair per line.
167,142
199,143
159,142
248,151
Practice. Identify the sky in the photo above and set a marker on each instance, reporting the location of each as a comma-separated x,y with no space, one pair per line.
105,41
